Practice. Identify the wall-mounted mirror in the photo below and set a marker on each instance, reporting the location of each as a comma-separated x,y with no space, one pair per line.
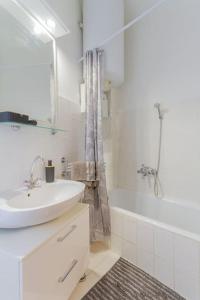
27,64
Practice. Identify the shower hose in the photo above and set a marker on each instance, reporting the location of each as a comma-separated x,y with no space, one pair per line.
157,184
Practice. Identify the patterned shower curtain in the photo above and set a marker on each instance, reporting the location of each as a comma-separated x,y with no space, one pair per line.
96,193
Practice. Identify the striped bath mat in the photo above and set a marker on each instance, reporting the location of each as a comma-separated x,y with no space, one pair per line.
126,282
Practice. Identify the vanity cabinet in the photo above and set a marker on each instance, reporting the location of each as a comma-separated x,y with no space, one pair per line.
52,269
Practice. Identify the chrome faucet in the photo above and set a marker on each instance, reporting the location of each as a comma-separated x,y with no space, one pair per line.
146,171
34,182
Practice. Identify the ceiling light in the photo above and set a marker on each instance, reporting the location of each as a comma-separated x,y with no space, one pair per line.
48,18
38,29
51,25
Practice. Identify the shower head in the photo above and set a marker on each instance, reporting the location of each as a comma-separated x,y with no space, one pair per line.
157,106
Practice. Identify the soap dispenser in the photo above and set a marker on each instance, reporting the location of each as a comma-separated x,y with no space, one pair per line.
50,172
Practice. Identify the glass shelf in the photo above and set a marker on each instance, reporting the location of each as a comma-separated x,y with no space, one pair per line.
17,126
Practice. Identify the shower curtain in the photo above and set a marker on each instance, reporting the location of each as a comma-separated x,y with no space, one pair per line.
96,193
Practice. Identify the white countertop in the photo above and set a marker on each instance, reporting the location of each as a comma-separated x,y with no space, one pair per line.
21,242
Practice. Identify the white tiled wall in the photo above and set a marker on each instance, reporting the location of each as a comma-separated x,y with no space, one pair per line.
159,67
170,257
19,148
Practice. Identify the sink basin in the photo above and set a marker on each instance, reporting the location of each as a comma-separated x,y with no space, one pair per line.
23,208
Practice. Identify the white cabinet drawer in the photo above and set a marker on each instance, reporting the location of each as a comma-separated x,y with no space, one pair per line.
52,272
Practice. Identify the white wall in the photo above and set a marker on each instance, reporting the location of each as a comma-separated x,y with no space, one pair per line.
162,65
18,149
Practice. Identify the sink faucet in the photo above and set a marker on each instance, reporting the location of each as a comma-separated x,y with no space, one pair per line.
34,182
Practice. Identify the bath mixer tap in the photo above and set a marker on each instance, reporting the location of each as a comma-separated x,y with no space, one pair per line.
146,171
34,182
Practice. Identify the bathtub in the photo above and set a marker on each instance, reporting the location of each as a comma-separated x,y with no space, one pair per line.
162,237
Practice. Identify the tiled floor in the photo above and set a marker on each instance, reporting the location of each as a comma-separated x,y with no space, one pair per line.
101,261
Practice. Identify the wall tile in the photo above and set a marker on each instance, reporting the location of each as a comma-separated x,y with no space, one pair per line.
187,284
145,261
145,236
164,244
129,232
129,252
116,222
186,254
164,271
116,244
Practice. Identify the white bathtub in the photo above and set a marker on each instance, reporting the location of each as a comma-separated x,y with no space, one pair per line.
161,237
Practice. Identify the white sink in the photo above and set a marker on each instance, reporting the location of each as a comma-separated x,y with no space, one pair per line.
23,208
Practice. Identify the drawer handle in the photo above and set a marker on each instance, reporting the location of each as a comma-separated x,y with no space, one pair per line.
64,277
61,239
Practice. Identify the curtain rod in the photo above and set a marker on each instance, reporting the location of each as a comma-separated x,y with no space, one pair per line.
130,24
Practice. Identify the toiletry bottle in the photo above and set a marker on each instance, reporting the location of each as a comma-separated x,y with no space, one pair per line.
50,172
